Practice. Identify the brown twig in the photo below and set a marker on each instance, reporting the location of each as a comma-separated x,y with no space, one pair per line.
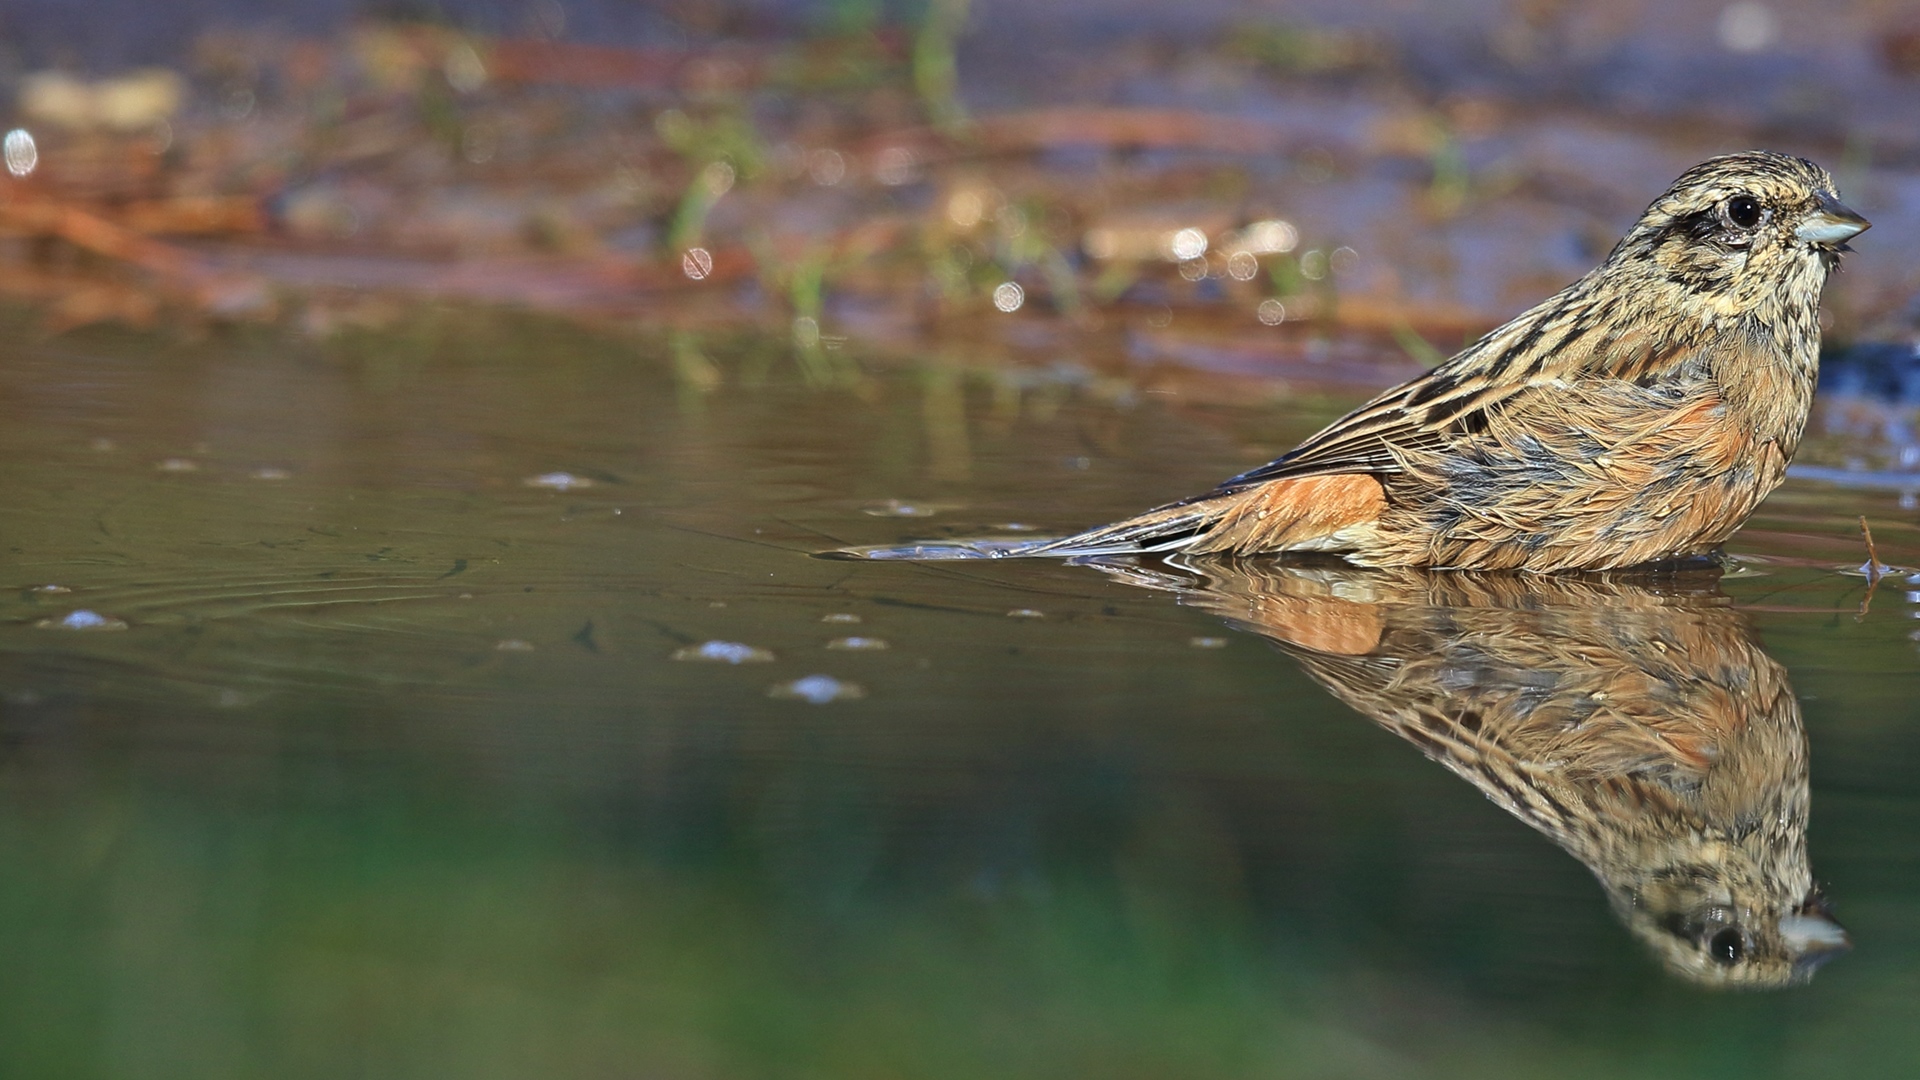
1873,568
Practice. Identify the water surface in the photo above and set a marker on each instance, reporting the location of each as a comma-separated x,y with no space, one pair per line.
479,710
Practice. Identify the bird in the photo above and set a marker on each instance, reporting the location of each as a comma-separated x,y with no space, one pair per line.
1633,718
1638,415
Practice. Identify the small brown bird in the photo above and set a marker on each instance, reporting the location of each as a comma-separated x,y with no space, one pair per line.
1638,415
1634,721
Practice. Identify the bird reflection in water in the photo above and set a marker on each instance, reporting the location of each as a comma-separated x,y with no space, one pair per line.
1632,718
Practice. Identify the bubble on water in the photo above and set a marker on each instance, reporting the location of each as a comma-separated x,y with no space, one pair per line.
512,644
723,652
898,508
268,472
177,465
558,481
1208,642
818,689
1026,613
859,644
83,620
842,617
50,589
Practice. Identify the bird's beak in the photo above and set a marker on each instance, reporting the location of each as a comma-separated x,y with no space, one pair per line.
1831,224
1812,936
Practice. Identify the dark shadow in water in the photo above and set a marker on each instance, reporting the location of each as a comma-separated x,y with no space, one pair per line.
1634,719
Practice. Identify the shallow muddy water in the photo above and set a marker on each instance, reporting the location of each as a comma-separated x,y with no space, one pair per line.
463,698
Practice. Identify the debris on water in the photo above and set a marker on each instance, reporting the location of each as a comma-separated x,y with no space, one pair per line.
1026,613
818,689
83,620
1208,642
558,481
897,508
723,652
513,645
858,644
843,617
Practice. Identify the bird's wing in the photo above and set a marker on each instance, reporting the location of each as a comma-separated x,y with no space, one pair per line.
1419,415
1545,348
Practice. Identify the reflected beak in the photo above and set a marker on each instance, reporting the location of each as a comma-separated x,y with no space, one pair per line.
1812,936
1831,225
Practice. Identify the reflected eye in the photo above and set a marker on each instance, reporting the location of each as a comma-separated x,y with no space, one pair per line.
1727,946
1744,211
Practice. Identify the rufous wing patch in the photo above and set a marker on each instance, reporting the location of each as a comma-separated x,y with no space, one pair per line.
1308,512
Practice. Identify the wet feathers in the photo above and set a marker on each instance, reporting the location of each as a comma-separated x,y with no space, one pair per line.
1640,414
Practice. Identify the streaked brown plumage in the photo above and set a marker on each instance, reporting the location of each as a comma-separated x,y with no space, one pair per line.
1644,731
1638,415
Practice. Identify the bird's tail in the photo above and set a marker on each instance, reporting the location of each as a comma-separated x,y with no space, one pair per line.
1316,513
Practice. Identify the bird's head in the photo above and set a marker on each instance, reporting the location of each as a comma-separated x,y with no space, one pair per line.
1719,927
1739,233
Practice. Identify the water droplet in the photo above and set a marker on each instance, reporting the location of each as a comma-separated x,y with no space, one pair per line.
21,154
464,69
826,167
895,166
1008,296
697,263
1188,243
1271,312
1747,27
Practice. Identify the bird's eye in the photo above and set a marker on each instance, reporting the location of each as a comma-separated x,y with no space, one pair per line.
1744,211
1727,946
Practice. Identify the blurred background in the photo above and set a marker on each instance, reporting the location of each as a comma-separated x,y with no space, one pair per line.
416,420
